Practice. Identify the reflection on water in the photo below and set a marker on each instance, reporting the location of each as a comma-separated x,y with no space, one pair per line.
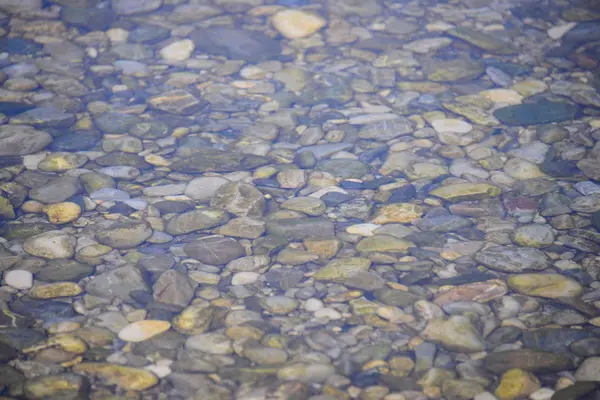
296,199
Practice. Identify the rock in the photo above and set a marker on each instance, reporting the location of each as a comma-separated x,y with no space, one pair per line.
466,192
428,45
551,286
456,333
124,235
126,378
242,227
297,24
534,235
178,102
236,44
339,270
384,243
516,383
134,7
542,112
22,140
65,270
457,70
174,288
366,8
18,279
213,160
214,250
482,292
395,297
398,212
211,343
196,220
301,228
65,386
522,170
140,331
387,129
56,190
117,283
55,290
180,50
307,205
51,245
305,372
263,355
513,259
528,360
88,19
44,117
194,319
461,389
241,199
344,168
589,370
443,223
482,40
62,213
14,6
553,339
451,125
279,305
204,188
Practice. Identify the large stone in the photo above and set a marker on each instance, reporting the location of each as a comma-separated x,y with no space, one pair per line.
133,7
52,245
529,360
196,220
456,333
241,199
297,24
237,44
513,259
542,112
44,117
213,160
126,378
589,370
515,384
301,228
22,140
550,286
124,235
482,40
457,70
466,192
534,235
56,190
63,386
341,269
178,102
117,283
214,250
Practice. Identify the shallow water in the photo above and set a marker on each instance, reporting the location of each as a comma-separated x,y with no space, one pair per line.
335,199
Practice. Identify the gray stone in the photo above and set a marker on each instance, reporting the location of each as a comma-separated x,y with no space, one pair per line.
196,220
214,250
22,140
133,7
241,199
345,169
117,283
301,228
237,44
124,235
173,287
513,259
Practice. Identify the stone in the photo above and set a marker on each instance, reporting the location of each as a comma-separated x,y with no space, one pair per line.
443,223
451,125
124,235
22,140
341,269
56,190
428,45
522,169
211,343
513,259
398,212
18,279
65,386
174,288
297,24
135,7
263,355
301,228
466,192
589,370
457,70
213,160
528,360
534,235
204,188
140,331
241,199
305,372
62,213
551,286
456,333
542,112
55,290
516,383
117,283
88,19
177,102
482,41
383,243
214,250
386,129
242,227
307,205
482,292
194,319
50,245
196,220
236,44
344,168
126,378
44,117
180,50
279,305
65,270
461,389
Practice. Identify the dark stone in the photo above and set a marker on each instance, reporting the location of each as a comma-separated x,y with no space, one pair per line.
529,360
10,377
542,112
121,208
213,160
466,278
301,228
508,68
596,220
44,117
404,194
214,250
24,230
20,338
149,34
89,19
583,32
119,158
237,44
283,279
335,198
46,310
7,353
10,108
76,141
502,335
578,390
443,223
171,206
586,347
560,168
426,239
400,383
7,161
553,339
64,270
19,46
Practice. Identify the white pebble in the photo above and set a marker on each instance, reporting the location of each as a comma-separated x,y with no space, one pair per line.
542,394
244,278
19,279
313,305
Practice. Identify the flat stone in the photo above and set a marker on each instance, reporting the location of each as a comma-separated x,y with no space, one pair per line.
301,228
384,243
344,168
542,112
88,18
44,117
211,343
451,125
214,250
466,192
65,386
18,279
55,290
551,286
56,190
458,70
589,370
241,199
140,331
194,319
173,287
180,50
456,333
513,259
340,269
124,235
22,140
213,160
516,383
482,40
126,378
443,223
307,205
529,360
196,220
297,24
428,45
482,292
134,7
398,212
178,102
64,270
555,340
263,355
204,188
387,129
534,235
50,245
117,283
305,372
279,305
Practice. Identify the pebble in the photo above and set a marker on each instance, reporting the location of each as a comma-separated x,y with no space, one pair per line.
516,383
126,378
143,330
550,286
297,24
19,279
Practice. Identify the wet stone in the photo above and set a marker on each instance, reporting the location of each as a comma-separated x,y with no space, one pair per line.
512,259
22,140
75,141
213,160
46,310
117,283
124,235
17,45
44,117
214,250
301,228
345,169
542,112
